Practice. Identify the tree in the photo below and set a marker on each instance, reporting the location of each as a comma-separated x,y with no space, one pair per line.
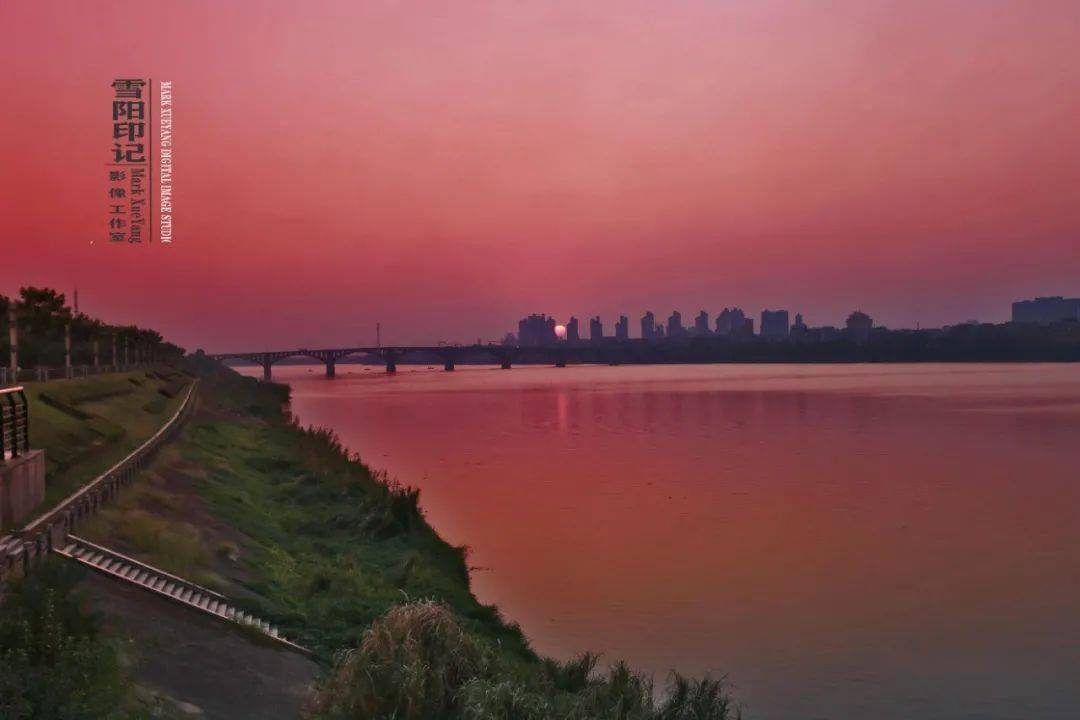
42,311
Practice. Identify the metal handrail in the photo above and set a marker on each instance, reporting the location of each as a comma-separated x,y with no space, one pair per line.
127,463
14,423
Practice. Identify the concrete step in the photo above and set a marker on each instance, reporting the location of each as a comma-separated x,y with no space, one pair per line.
162,583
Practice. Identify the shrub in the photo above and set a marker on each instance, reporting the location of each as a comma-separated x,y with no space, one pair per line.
410,665
55,663
420,661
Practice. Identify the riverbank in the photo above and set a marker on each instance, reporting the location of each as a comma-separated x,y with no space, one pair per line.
282,520
280,516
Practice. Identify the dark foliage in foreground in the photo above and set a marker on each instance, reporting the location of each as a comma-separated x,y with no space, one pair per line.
55,662
418,662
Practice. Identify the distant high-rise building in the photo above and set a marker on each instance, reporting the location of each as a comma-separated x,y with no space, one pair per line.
536,330
799,331
572,335
1046,310
859,325
658,333
730,321
701,323
774,324
674,325
648,326
622,328
596,329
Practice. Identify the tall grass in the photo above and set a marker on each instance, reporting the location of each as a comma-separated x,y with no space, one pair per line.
419,662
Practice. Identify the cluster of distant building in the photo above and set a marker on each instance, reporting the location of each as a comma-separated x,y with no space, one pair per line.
540,329
1046,310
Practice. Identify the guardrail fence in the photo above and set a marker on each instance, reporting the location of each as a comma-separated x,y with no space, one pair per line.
44,374
23,548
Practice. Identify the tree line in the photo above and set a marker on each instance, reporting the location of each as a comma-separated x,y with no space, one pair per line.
42,316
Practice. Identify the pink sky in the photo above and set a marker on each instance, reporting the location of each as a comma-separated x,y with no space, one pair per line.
447,170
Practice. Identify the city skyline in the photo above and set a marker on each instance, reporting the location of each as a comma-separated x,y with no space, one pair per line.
917,160
542,328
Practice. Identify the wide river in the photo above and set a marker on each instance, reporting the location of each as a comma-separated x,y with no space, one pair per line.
842,541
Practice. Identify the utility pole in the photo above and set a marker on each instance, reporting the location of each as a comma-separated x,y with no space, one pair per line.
13,337
67,350
378,334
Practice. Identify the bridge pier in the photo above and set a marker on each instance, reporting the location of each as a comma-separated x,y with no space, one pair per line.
505,364
266,370
391,365
448,365
331,368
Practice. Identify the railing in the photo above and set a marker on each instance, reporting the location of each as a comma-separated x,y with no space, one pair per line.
23,548
14,423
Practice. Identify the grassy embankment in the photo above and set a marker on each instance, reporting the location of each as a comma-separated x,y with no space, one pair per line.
87,425
57,658
283,520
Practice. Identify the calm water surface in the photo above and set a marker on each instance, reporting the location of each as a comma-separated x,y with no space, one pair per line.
840,541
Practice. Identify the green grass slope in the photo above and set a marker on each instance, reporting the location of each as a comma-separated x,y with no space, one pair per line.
88,424
283,519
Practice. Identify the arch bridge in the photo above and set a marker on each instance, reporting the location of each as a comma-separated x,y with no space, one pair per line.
505,355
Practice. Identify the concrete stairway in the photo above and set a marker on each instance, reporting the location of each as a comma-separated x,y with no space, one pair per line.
157,581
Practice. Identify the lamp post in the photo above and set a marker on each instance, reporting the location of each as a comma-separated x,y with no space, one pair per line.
13,336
